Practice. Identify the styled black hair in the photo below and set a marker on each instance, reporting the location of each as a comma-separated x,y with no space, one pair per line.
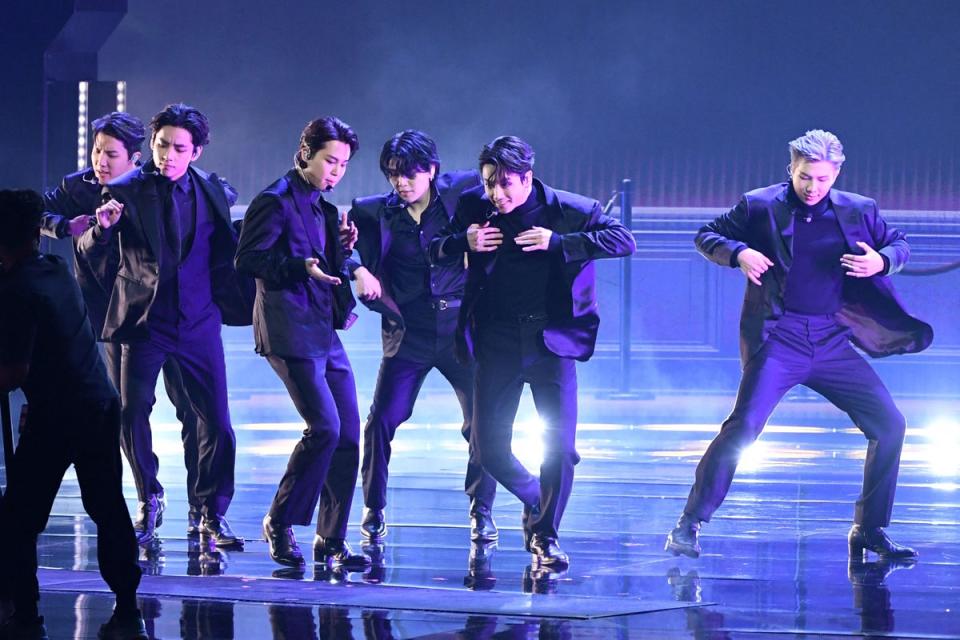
508,154
20,213
185,117
321,131
124,127
410,151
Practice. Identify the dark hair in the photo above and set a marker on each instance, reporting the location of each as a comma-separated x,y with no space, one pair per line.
20,213
410,151
180,115
321,131
124,127
508,154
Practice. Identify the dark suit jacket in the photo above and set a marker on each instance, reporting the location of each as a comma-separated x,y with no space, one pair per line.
585,235
371,214
139,237
280,231
763,221
77,195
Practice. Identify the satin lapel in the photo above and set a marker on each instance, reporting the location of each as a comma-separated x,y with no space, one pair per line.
214,196
301,199
331,220
784,219
150,210
849,220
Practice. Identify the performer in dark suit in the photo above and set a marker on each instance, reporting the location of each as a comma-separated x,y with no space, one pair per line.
816,261
47,348
529,311
418,301
175,285
295,246
69,211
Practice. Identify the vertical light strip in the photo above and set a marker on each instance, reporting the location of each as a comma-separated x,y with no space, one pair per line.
82,90
121,95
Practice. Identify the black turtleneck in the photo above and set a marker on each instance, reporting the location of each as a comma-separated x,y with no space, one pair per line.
815,280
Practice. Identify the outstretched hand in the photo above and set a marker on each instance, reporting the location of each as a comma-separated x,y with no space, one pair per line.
315,272
753,264
862,266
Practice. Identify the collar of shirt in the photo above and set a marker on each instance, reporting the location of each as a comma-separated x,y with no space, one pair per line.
813,210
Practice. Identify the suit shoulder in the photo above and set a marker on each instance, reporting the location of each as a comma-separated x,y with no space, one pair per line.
850,199
458,181
78,178
370,204
766,194
570,200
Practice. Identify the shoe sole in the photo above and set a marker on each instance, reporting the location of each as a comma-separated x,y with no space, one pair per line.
680,550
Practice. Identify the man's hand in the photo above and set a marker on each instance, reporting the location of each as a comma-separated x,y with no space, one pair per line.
348,233
869,264
753,264
534,239
108,213
368,287
317,273
78,225
483,238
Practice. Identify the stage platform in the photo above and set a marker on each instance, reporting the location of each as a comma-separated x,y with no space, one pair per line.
774,564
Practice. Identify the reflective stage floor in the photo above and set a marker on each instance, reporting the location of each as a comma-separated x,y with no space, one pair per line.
774,565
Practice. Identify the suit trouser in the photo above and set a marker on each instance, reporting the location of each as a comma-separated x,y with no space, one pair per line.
323,465
813,351
85,434
199,356
177,393
509,355
398,385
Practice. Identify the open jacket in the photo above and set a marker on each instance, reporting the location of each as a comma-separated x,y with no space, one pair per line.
763,221
280,231
372,215
138,236
585,234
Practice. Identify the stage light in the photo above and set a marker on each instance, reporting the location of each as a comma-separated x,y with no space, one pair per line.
943,446
753,457
121,95
82,89
528,441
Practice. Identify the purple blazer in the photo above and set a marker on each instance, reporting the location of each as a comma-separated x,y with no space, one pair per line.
763,221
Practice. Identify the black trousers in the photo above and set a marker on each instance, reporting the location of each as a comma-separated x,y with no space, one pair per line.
813,351
508,356
85,435
398,385
199,356
177,393
323,465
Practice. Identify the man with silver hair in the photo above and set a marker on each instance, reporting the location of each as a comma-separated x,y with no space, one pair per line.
816,261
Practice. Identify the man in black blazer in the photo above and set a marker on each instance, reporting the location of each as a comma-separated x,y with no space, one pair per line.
295,246
529,311
175,286
69,211
816,260
418,301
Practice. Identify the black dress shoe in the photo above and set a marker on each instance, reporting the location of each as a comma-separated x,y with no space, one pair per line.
149,517
194,515
372,526
482,526
542,580
528,513
129,627
862,539
480,567
218,531
547,552
283,545
338,553
685,537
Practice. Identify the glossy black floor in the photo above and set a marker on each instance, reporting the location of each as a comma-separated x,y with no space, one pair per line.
774,566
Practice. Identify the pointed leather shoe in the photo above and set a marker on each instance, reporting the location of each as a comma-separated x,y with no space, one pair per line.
685,537
547,552
194,515
862,539
482,526
218,531
149,517
283,545
337,552
130,627
372,526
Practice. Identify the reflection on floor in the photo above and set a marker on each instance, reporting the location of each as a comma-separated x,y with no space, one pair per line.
774,563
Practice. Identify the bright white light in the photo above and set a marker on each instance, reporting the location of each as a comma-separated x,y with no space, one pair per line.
82,89
528,442
121,95
753,457
943,446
